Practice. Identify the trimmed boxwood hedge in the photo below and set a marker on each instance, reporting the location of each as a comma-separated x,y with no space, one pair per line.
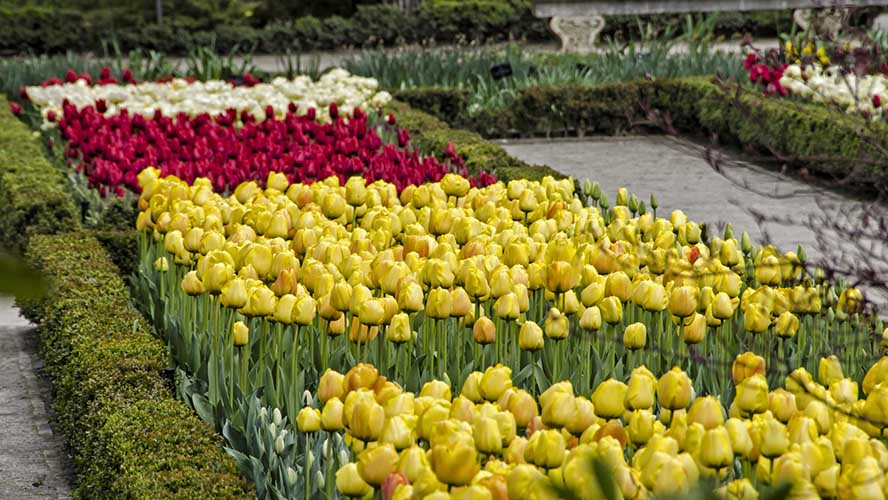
431,136
809,133
131,438
33,196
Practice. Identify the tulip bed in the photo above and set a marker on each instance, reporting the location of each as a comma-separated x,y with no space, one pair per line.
267,293
111,132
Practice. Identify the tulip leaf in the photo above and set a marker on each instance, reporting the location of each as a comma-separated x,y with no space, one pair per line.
203,408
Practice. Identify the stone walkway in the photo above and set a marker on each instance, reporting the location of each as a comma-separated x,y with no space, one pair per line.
674,170
32,458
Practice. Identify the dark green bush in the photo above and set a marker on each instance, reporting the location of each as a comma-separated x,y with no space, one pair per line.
33,196
131,438
809,133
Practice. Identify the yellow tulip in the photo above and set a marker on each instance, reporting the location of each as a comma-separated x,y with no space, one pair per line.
454,465
756,318
308,420
618,285
523,407
495,381
216,276
439,303
787,325
506,307
530,336
240,334
706,411
367,419
592,294
674,390
560,277
641,426
752,394
591,319
683,301
694,329
608,398
715,450
850,301
557,327
399,330
738,432
397,432
488,438
331,415
261,302
635,336
611,310
545,449
350,483
774,439
746,365
829,370
410,298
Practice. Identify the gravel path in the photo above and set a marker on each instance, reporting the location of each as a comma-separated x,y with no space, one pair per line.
674,170
32,458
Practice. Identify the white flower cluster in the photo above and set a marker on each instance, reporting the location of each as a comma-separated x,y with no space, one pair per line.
348,91
851,93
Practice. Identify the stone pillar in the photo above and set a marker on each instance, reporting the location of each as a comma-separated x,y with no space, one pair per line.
577,34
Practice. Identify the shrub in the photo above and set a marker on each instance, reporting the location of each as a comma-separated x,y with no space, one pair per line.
131,438
33,196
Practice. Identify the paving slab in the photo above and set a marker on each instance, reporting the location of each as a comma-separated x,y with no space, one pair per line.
33,463
676,172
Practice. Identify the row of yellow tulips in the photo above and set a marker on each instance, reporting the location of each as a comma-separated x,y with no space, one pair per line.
654,435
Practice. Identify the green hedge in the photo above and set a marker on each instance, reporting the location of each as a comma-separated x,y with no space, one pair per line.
131,437
808,133
46,29
33,196
431,136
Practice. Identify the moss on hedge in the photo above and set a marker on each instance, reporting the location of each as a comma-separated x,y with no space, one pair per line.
33,196
131,438
809,133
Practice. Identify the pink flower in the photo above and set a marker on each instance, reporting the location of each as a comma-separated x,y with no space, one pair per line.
16,108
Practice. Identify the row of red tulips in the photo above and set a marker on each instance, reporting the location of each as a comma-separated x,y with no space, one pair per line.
230,149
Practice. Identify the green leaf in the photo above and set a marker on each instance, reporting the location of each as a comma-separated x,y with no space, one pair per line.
203,408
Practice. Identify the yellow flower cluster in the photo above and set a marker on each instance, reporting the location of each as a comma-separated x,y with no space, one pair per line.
289,251
496,441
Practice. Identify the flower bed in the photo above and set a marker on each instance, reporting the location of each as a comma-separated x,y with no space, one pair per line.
111,151
445,281
213,97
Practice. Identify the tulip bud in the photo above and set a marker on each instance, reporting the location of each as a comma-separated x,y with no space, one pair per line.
487,436
556,325
523,407
694,330
591,319
331,416
530,336
745,365
506,307
308,420
674,390
635,336
752,394
495,381
608,399
454,465
240,333
439,303
683,301
560,277
745,243
484,331
350,483
741,442
399,330
756,318
787,325
332,385
611,310
641,426
715,450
